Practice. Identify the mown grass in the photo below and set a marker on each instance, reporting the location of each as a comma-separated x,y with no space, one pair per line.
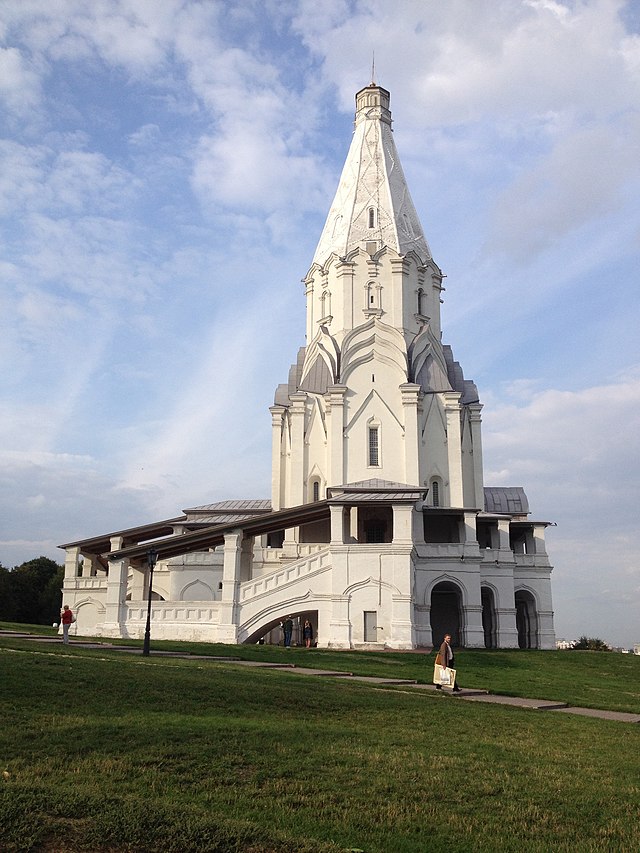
103,751
603,680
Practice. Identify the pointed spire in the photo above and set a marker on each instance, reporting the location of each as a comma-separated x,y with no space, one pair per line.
372,207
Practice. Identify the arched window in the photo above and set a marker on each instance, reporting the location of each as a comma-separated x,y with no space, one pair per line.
435,492
372,217
420,298
374,446
315,488
325,304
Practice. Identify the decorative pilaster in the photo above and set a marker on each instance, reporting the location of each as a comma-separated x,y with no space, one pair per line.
402,524
71,566
454,447
115,616
475,424
506,629
410,404
231,569
277,415
335,398
296,484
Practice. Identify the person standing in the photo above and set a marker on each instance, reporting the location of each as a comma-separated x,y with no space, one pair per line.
66,617
447,659
307,633
287,628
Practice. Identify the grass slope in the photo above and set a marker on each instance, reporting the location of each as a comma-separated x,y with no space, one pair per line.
102,751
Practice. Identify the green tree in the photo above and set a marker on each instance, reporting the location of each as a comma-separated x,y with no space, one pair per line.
594,644
7,601
35,592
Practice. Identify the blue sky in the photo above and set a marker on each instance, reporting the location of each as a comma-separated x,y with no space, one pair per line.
165,170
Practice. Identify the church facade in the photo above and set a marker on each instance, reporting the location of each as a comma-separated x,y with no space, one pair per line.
380,530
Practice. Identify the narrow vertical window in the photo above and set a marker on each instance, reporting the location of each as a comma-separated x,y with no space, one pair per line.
420,295
316,491
374,446
435,493
372,217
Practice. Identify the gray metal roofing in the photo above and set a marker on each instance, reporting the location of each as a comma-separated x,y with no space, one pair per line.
378,497
508,500
250,505
375,483
318,379
219,518
466,387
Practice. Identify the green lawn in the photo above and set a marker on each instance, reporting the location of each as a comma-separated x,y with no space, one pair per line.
104,751
589,679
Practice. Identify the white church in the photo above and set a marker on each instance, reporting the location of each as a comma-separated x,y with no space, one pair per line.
380,530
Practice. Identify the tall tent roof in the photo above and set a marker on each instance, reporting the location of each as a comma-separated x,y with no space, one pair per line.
372,207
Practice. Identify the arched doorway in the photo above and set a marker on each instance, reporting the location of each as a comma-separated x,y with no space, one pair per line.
446,613
489,622
526,620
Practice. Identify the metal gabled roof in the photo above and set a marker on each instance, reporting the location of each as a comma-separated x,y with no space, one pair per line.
101,544
506,500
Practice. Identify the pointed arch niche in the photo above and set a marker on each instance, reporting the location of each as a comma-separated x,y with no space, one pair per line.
526,619
489,619
446,613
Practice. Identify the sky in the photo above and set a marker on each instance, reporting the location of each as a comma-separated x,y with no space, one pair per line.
166,167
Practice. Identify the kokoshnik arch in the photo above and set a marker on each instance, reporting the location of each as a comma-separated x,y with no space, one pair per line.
380,529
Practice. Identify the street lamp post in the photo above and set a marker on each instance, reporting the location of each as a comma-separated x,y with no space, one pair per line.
152,559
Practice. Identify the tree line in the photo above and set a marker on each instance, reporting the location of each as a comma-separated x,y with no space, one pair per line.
31,592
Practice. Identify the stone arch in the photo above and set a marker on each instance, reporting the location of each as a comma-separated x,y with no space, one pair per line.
447,613
270,617
489,616
197,590
361,584
89,613
527,619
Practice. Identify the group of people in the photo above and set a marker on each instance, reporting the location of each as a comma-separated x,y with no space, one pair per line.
287,631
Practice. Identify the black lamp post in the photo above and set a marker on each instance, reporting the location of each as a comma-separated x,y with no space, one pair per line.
152,559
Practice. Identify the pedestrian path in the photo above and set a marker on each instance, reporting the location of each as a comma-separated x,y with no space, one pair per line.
465,694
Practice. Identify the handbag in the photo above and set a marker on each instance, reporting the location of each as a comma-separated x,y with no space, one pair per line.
444,676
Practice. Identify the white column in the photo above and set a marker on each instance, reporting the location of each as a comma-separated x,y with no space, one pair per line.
139,584
296,470
454,447
401,633
231,568
475,423
506,628
115,601
337,524
503,535
342,301
539,546
71,564
335,434
410,402
277,415
310,306
417,525
402,524
399,272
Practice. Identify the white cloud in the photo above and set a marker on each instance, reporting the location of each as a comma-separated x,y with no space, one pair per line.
577,453
19,84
